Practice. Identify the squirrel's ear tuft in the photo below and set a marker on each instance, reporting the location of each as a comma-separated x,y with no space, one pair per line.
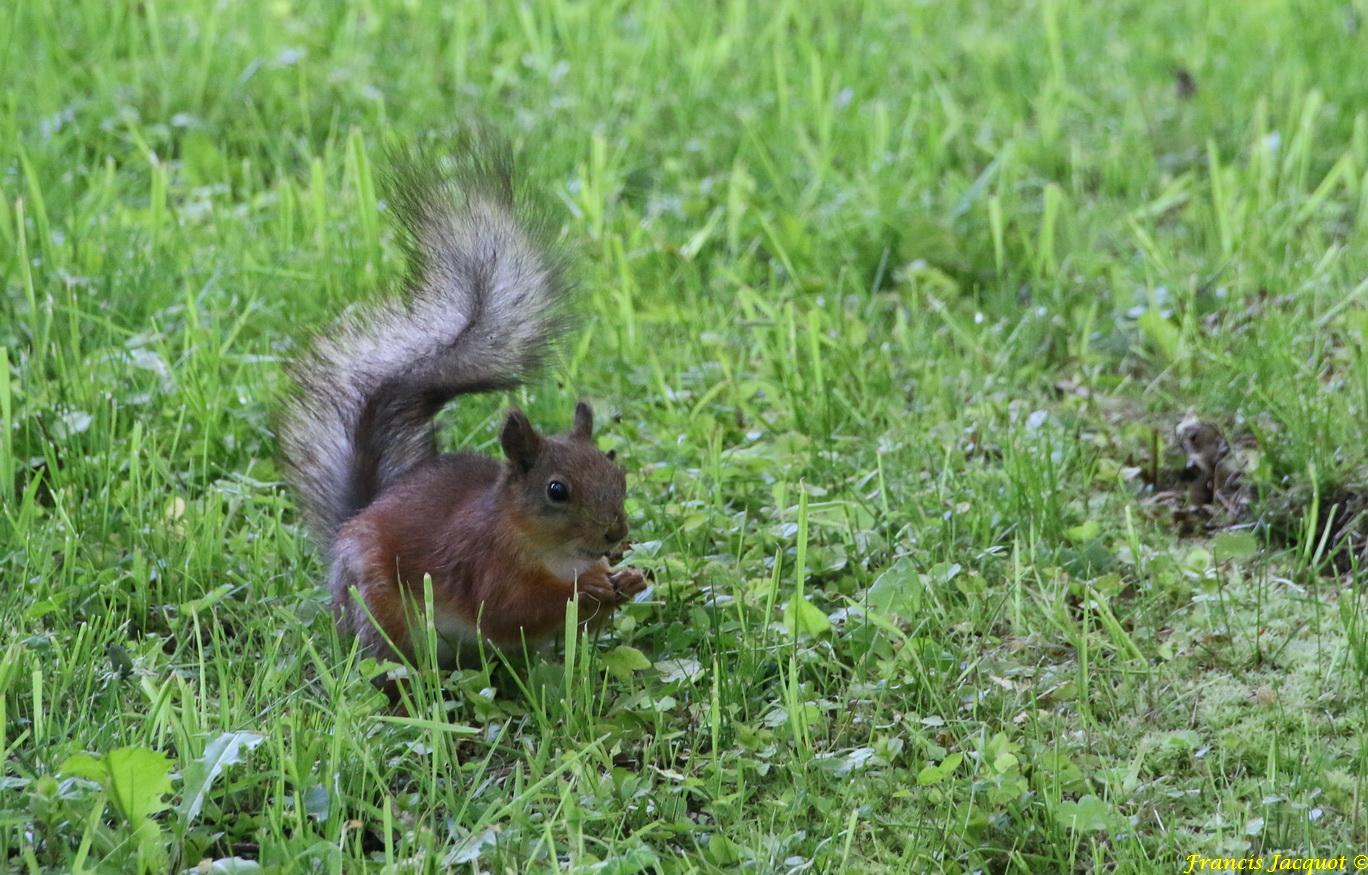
584,421
520,440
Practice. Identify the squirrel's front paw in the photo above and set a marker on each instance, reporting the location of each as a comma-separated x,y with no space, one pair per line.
596,584
628,582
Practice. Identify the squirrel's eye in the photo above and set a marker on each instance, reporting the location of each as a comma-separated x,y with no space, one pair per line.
557,491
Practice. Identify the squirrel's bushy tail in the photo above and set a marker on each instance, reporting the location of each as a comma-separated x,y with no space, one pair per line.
481,304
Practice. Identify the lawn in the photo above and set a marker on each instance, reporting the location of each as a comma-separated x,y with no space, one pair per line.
892,311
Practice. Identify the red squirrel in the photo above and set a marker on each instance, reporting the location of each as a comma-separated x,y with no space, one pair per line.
506,543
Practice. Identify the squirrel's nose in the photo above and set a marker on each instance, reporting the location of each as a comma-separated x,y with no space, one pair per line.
617,532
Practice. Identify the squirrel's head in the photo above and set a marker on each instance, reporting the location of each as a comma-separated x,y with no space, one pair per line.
566,494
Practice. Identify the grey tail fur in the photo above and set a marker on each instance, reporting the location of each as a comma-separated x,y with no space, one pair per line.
483,300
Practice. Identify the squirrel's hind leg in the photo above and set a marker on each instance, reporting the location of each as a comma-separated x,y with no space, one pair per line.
367,601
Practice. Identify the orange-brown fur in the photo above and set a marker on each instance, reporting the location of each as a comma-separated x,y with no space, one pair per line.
489,539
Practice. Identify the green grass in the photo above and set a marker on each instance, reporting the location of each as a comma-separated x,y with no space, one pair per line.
886,303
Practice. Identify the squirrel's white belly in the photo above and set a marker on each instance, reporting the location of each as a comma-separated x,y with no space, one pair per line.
568,566
454,632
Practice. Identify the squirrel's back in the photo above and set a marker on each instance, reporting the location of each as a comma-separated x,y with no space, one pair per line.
478,310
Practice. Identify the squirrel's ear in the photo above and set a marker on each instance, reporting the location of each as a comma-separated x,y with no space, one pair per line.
520,440
584,421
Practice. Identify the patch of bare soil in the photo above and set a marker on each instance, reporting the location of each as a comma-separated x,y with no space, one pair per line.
1339,534
1210,490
